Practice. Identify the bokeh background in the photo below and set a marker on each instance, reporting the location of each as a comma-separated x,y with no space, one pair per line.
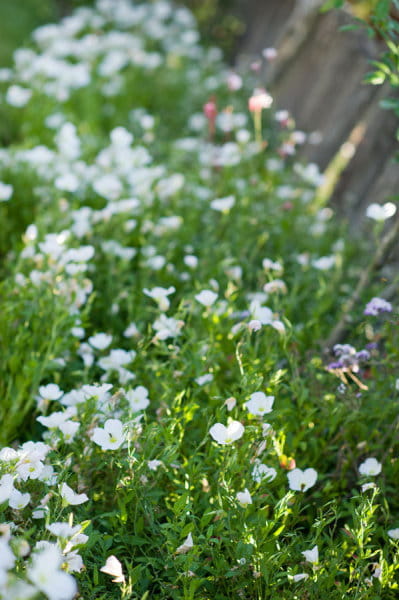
222,22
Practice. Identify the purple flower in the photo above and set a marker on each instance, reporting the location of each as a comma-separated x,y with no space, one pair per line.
363,356
335,365
377,306
343,350
372,346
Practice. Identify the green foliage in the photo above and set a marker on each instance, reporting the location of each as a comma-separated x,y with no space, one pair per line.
126,203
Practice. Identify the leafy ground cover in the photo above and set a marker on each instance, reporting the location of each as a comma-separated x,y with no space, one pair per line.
173,422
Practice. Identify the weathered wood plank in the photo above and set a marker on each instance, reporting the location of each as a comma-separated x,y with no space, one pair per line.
372,175
266,22
322,84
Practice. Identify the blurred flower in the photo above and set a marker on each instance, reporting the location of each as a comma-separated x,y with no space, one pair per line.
368,486
100,341
377,306
17,500
379,212
50,391
45,572
167,327
299,577
206,298
5,192
230,403
160,295
259,100
203,379
394,533
234,82
254,325
18,96
223,204
269,54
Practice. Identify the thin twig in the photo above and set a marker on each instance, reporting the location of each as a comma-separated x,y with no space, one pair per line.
381,252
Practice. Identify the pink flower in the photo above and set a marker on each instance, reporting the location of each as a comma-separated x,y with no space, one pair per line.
259,100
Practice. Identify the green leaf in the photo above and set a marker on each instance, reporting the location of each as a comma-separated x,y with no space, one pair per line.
330,4
390,103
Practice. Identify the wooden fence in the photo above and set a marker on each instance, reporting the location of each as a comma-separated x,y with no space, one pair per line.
318,76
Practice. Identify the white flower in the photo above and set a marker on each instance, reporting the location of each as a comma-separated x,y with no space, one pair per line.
324,263
160,295
269,53
108,186
276,285
370,466
116,359
5,192
260,99
167,327
154,464
138,398
227,435
63,530
72,497
17,500
223,204
394,533
260,404
312,556
270,265
261,313
266,427
6,487
244,498
73,561
278,326
18,96
45,572
203,379
191,261
68,182
114,568
368,486
379,212
100,341
301,481
299,577
111,437
230,403
261,472
20,590
69,430
7,558
206,298
254,325
131,330
186,545
57,418
50,391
